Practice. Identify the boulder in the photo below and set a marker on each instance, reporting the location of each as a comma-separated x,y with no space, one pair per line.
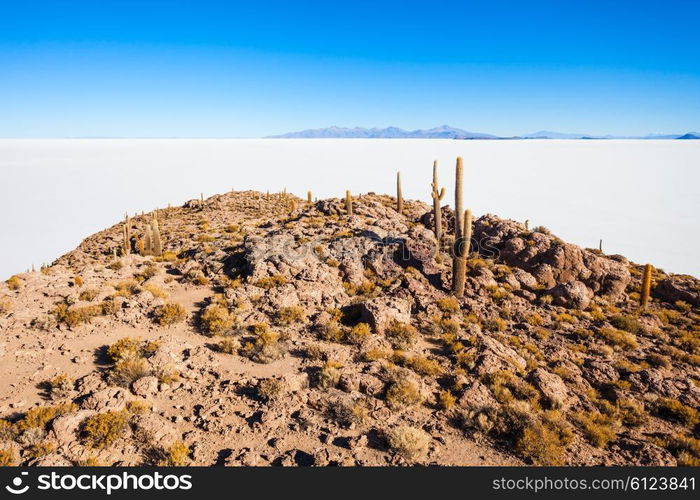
495,356
65,428
574,295
552,388
154,429
145,386
548,259
382,311
477,396
684,288
112,398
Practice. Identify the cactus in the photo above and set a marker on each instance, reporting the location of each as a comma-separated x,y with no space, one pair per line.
399,194
141,247
292,205
156,243
309,197
148,241
437,194
527,224
459,264
600,245
646,287
348,203
126,244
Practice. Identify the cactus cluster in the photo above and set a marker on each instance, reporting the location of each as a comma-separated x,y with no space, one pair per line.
151,243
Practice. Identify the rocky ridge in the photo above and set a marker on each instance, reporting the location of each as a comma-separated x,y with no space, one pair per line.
276,332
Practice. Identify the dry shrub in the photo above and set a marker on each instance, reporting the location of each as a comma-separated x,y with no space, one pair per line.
155,290
41,416
138,407
5,305
401,335
14,283
347,411
289,315
176,455
597,428
374,354
127,288
408,442
41,449
686,449
672,409
265,348
7,430
424,366
169,314
445,400
216,319
506,386
619,338
124,348
544,441
88,295
270,282
329,374
626,323
60,386
73,316
166,374
103,429
229,345
7,458
127,371
359,334
448,305
271,389
658,360
330,332
403,393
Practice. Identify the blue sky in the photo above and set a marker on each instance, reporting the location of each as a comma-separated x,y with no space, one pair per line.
248,69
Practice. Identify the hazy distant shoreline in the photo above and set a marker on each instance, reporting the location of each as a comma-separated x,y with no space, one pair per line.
57,192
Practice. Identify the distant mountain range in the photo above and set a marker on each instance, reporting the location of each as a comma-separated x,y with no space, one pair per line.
444,132
447,132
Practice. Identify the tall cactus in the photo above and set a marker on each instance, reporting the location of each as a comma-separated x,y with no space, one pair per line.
309,197
646,287
156,243
399,194
148,241
459,263
348,203
126,244
437,194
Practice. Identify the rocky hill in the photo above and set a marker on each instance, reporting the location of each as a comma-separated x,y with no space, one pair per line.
273,331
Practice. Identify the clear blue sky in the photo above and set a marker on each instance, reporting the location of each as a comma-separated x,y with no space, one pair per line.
248,69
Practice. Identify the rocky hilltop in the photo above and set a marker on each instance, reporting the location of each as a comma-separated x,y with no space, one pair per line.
268,330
